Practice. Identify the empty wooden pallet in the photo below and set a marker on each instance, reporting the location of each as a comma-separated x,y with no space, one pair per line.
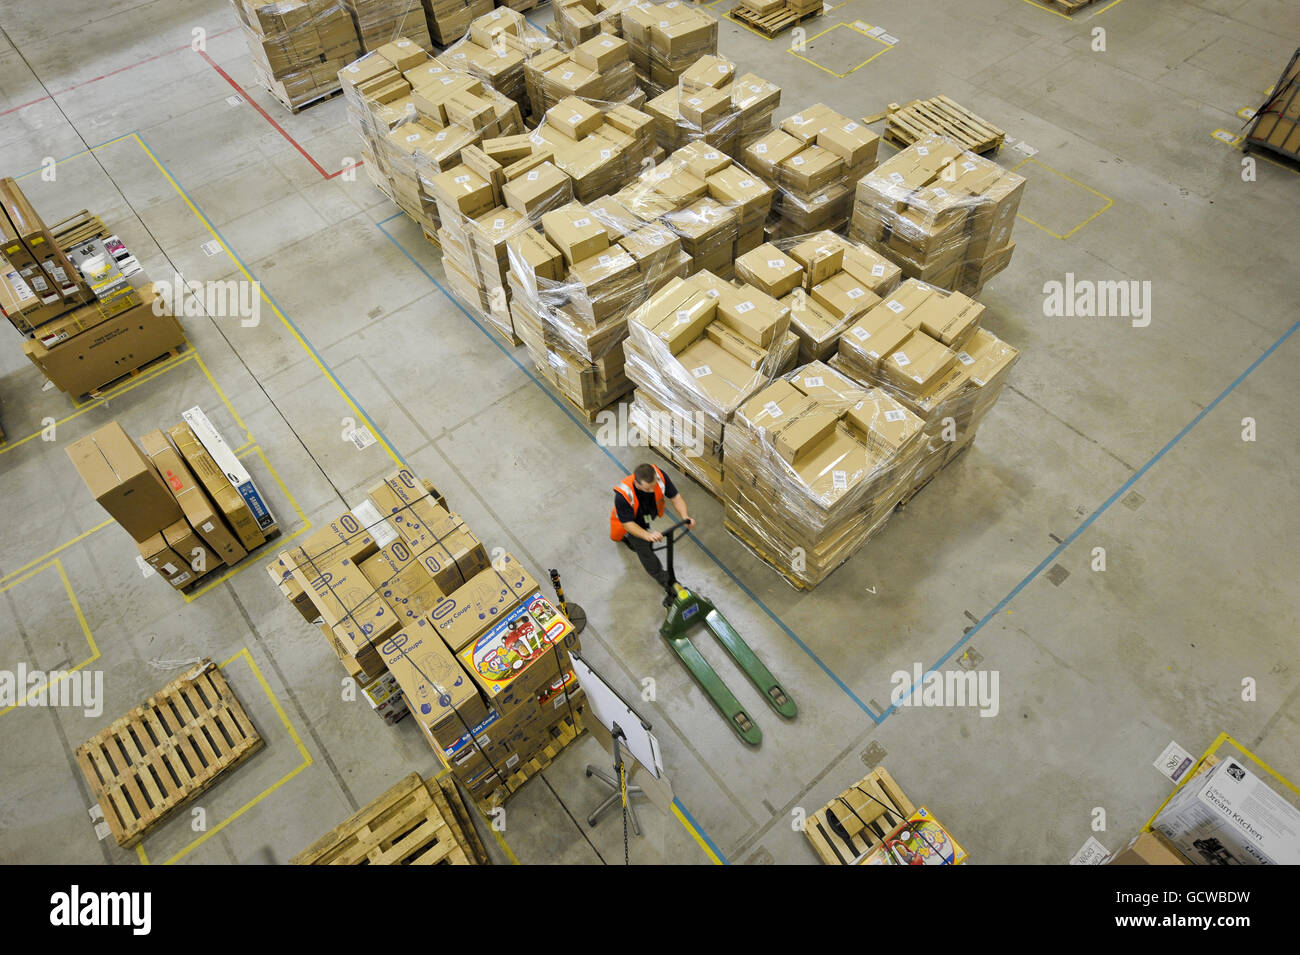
162,754
941,116
772,23
1068,6
413,823
858,819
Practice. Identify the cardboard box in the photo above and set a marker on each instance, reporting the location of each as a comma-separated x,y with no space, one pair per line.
883,423
438,691
916,363
795,437
231,467
511,661
575,232
537,190
123,481
186,544
165,561
228,500
464,614
844,296
770,269
870,338
819,258
601,53
200,514
574,118
705,109
1149,848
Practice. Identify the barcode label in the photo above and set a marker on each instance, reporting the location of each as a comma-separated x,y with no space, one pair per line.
744,307
901,358
460,179
896,415
776,263
581,223
861,334
894,305
855,293
839,480
814,381
877,270
773,409
965,359
702,371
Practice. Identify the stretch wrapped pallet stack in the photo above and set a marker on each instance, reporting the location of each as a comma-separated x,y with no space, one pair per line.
711,105
943,214
496,50
814,160
298,46
598,71
379,22
666,39
577,21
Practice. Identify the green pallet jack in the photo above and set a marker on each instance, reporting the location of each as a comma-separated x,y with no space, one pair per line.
687,610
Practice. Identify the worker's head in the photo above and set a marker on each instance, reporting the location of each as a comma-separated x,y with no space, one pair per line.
645,477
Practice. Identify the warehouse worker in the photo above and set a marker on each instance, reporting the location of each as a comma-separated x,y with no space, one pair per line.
638,499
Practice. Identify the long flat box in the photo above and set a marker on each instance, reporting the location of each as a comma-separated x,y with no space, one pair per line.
228,500
200,513
123,481
231,467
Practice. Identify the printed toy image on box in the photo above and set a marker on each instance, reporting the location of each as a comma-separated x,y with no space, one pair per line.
503,655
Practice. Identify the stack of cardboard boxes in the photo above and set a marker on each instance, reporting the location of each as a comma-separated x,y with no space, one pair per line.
405,594
75,293
666,39
379,22
925,347
497,192
574,280
598,70
696,351
449,20
185,498
601,148
814,160
415,116
498,46
943,214
835,456
298,46
826,281
715,207
574,22
711,105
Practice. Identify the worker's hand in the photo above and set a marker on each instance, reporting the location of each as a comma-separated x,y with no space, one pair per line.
655,537
690,523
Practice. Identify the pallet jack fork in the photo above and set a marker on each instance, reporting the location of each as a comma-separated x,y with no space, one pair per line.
687,610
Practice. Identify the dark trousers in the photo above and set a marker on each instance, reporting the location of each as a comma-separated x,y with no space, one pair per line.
649,560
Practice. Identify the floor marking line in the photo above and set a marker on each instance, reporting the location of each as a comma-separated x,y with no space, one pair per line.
1136,476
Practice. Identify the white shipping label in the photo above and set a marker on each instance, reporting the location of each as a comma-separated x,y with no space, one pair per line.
776,263
964,358
722,67
839,480
895,177
850,127
861,334
941,192
814,381
211,247
773,409
235,100
702,371
896,414
1091,852
855,293
561,700
923,150
183,578
514,758
532,176
877,270
581,223
683,316
170,569
145,569
605,154
415,137
498,224
459,180
207,527
566,76
797,161
603,259
361,437
761,148
894,305
744,307
1174,761
746,183
901,358
369,517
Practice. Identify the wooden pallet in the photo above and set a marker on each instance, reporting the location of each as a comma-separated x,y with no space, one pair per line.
588,414
459,818
773,23
1069,6
122,379
876,793
941,116
210,575
564,733
736,531
411,824
166,752
305,104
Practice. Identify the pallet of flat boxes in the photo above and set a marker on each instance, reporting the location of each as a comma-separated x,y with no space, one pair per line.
814,161
926,348
298,47
714,206
574,279
415,116
406,597
574,22
379,22
696,351
79,298
598,71
773,17
943,214
496,49
666,40
711,105
449,20
183,496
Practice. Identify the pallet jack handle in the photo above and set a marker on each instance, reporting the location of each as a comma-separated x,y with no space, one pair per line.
670,536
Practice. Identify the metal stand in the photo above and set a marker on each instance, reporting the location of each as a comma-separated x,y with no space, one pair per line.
613,801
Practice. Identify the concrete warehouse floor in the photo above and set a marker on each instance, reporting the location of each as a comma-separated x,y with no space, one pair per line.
1110,436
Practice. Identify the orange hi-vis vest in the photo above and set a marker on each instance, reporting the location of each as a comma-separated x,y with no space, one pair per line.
627,487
